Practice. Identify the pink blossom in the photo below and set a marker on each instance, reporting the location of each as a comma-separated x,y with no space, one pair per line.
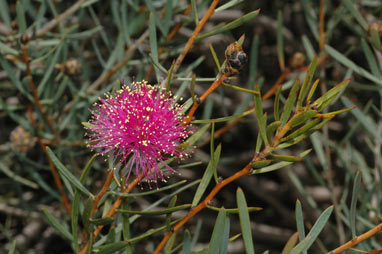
139,127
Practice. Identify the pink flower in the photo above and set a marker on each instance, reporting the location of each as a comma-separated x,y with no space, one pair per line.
139,127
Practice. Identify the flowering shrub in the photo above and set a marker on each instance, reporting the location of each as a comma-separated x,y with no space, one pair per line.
140,127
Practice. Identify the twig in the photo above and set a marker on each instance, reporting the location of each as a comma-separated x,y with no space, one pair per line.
357,240
115,206
197,29
212,88
322,23
56,178
247,169
169,37
54,22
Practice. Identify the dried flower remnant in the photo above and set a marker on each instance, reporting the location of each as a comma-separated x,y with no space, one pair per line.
21,140
139,127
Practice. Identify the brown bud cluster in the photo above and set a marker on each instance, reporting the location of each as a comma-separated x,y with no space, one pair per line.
72,67
21,140
297,60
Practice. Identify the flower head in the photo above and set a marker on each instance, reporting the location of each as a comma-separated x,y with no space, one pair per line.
139,126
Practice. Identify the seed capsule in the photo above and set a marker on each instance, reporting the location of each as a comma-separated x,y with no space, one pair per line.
236,58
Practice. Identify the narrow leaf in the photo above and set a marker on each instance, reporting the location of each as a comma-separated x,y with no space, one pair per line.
206,177
330,95
302,117
259,115
67,174
57,225
288,158
278,165
290,244
245,222
305,85
217,236
272,127
157,212
260,164
277,104
353,204
289,104
314,232
280,44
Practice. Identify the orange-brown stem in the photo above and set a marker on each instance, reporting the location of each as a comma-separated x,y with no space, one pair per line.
53,170
322,23
212,88
113,209
169,37
357,240
104,189
202,205
197,29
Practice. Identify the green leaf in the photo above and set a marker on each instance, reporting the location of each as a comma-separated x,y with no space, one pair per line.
234,210
288,158
224,119
260,164
197,135
356,14
206,177
15,80
4,12
364,120
186,248
312,90
20,17
370,57
353,204
259,115
153,44
306,84
114,247
225,240
272,127
157,212
168,16
330,95
351,65
5,49
194,12
101,221
13,248
48,72
302,117
146,193
57,225
290,244
277,104
86,214
278,165
11,174
302,130
314,232
300,221
289,104
237,22
245,222
217,236
280,44
67,174
375,39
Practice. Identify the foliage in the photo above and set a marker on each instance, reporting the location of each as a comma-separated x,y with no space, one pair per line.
260,121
